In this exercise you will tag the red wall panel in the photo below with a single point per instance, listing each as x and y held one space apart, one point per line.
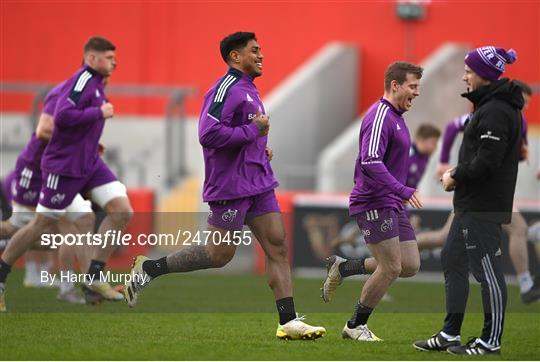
177 42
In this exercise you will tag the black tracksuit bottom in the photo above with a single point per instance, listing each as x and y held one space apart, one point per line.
474 244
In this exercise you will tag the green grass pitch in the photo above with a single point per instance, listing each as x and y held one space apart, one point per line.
204 316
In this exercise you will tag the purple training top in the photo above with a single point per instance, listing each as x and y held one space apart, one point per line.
30 156
236 165
417 166
458 125
382 164
78 125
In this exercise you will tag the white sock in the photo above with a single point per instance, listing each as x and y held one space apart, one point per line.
31 273
450 338
525 282
66 286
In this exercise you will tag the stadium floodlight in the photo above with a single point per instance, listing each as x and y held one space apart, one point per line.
411 10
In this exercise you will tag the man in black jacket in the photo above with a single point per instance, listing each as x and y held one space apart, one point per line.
483 182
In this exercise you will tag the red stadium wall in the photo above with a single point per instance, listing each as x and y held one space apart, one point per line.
177 42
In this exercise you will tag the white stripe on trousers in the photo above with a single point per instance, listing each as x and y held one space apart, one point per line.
495 301
496 341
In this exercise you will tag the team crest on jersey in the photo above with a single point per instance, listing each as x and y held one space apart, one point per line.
58 198
29 195
386 225
229 215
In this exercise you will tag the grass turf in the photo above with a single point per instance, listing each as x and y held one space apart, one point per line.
223 317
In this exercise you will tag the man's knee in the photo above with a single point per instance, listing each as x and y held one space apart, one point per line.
391 270
410 268
120 210
86 222
45 223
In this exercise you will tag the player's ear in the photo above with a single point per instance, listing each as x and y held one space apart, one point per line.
394 85
234 56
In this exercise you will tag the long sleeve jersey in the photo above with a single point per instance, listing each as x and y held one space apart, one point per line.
33 151
382 164
78 125
235 160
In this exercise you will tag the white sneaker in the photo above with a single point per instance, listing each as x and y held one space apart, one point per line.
71 296
105 290
139 279
360 333
298 329
333 277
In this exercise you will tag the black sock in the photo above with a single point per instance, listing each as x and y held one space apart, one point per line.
95 268
4 271
155 268
286 310
352 267
360 315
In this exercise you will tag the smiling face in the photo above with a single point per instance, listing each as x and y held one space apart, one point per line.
248 59
473 80
403 94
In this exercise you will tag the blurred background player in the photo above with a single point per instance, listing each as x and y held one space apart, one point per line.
71 164
239 186
34 260
516 230
25 188
378 197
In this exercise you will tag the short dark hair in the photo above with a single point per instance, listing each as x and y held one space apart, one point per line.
235 41
98 44
525 88
426 131
398 71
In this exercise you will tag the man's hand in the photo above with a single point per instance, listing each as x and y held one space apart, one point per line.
107 110
414 201
261 120
449 184
101 149
441 169
269 153
525 152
